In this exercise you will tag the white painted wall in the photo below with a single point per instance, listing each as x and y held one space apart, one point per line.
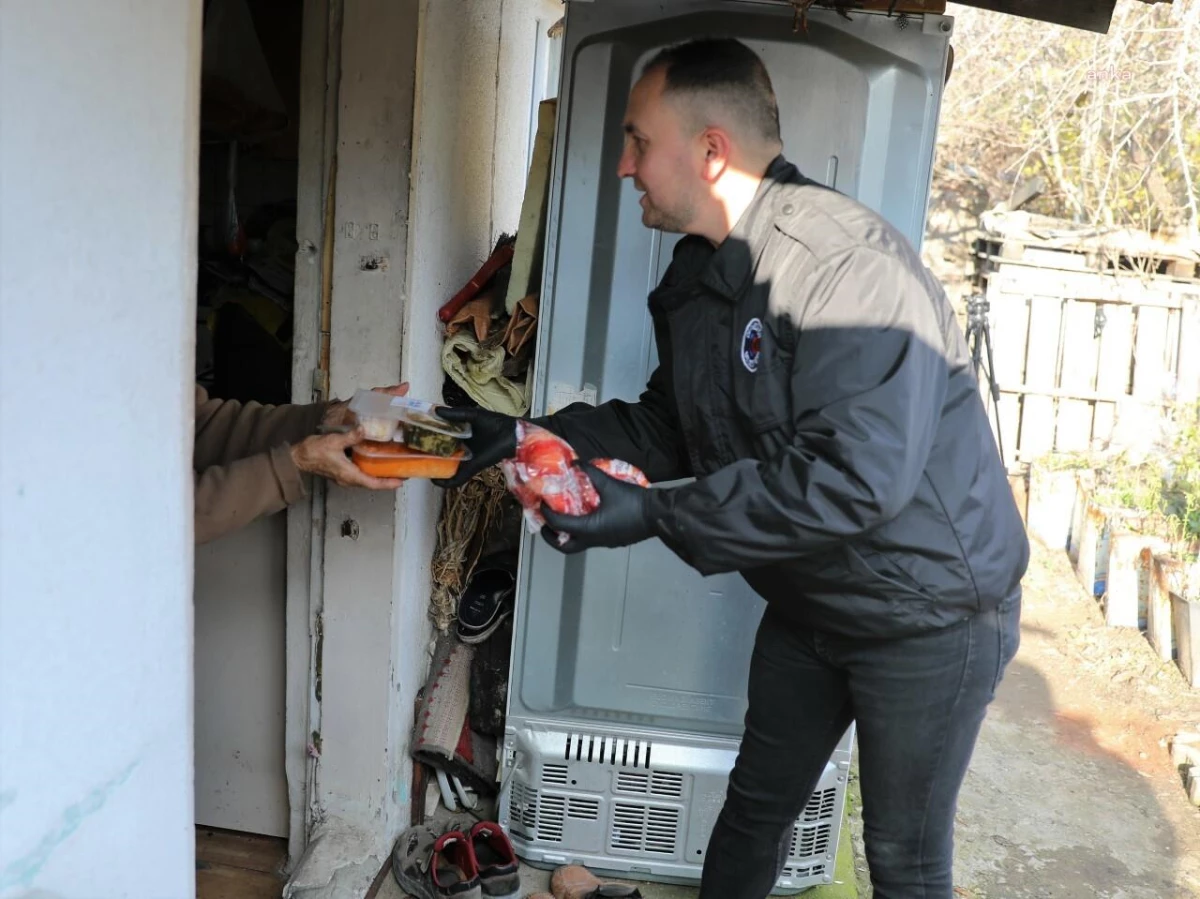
475 96
468 138
527 78
98 162
476 92
359 725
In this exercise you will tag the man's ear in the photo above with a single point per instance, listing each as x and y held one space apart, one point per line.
717 148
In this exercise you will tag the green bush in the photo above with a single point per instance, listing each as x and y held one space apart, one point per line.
1181 483
1159 494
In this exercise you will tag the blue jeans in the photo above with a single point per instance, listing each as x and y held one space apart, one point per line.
918 703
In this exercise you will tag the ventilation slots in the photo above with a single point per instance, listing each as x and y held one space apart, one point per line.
523 809
550 814
583 809
820 806
661 827
639 828
554 775
607 751
809 841
663 783
629 782
660 783
814 871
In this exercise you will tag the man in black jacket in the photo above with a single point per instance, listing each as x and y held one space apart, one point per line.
814 381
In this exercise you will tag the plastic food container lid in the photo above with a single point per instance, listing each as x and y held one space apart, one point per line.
405 411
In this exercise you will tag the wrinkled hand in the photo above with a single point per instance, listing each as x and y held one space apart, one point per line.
493 439
325 455
623 518
338 415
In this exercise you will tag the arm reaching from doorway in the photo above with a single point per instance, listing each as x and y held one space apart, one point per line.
229 497
227 430
249 459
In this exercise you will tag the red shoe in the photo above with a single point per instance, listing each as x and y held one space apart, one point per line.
499 870
441 868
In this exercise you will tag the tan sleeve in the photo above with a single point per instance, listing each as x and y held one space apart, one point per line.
227 430
229 497
242 463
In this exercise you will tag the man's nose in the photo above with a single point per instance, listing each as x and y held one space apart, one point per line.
625 166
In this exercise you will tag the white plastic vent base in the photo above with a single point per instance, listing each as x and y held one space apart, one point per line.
643 805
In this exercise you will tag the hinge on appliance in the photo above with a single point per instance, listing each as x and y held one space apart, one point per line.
802 7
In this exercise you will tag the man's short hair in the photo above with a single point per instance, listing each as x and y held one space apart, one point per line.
727 71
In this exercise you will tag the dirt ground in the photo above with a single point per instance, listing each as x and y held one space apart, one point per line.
1071 793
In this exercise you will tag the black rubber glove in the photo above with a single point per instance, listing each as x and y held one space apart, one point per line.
623 518
493 439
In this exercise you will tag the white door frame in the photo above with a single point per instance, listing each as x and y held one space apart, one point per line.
319 74
347 718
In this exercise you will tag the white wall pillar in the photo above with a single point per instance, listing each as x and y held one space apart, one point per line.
448 102
98 179
361 723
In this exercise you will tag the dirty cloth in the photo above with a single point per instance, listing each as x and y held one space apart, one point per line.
478 369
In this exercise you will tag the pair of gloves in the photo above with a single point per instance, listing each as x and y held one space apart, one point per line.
624 516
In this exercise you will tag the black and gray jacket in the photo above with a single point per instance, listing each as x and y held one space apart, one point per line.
814 380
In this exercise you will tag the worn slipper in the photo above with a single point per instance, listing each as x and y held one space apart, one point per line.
432 867
577 882
487 599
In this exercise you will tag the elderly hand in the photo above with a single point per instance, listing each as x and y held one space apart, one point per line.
325 455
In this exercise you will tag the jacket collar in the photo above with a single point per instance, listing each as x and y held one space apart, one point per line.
733 262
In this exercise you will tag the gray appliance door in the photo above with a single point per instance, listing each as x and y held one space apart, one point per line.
634 636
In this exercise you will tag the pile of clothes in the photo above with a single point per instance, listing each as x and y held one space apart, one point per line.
490 337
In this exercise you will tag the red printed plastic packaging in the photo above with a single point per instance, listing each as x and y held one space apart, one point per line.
544 471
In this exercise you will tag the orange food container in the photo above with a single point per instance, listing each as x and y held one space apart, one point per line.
395 460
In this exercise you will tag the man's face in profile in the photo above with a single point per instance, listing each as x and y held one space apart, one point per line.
662 156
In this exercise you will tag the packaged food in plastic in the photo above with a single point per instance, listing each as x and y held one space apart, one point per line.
389 459
410 421
543 471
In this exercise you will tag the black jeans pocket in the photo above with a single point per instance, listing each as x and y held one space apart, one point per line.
1008 636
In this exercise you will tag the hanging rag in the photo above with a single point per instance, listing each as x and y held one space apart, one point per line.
479 370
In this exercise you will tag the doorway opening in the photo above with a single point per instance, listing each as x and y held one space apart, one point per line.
249 139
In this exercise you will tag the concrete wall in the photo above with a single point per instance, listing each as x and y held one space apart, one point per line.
98 162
